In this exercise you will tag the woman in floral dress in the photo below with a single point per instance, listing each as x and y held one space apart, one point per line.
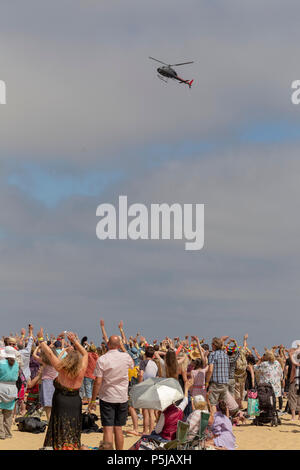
270 372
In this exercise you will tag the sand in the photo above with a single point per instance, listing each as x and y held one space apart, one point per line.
248 437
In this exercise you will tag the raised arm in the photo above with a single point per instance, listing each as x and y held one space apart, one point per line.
245 345
30 339
50 355
124 339
35 355
256 353
223 339
122 345
104 334
74 340
202 352
32 382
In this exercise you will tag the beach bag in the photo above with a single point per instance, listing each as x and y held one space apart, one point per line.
31 424
253 407
252 393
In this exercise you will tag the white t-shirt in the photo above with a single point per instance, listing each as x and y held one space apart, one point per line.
149 367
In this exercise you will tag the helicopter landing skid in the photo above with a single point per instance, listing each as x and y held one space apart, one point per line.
163 79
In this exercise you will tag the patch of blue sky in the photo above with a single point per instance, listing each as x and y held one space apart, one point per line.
267 132
158 154
270 132
53 183
51 187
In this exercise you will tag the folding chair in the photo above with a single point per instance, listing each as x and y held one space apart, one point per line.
199 439
181 437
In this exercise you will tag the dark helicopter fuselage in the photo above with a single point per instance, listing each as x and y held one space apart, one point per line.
167 72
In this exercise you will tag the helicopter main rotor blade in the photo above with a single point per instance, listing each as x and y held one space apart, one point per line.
183 63
158 60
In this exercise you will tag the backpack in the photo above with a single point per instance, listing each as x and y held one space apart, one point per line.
88 423
31 424
241 364
266 397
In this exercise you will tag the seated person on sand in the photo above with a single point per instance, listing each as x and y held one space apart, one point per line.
199 405
221 429
236 415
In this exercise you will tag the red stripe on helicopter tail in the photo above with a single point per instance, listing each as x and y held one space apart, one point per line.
187 82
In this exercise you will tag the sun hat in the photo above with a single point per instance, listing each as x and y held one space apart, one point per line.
199 399
9 352
195 355
199 402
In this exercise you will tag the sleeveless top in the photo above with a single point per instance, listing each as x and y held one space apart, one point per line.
172 416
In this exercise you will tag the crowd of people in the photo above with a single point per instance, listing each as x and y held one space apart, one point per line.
60 374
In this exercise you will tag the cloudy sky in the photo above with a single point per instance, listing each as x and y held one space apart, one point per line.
87 120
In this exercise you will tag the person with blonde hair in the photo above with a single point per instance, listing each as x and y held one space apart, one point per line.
270 371
64 429
199 405
199 371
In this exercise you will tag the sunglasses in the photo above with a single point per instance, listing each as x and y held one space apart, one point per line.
11 344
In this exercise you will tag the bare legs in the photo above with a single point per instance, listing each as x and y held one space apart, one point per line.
47 410
135 424
149 421
110 434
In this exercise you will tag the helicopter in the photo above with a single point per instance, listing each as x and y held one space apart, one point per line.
169 72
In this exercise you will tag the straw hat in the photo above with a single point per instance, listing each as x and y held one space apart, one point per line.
195 354
199 402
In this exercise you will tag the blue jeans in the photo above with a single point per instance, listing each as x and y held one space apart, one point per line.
86 388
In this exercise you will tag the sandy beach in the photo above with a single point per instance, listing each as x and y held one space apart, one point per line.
248 437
